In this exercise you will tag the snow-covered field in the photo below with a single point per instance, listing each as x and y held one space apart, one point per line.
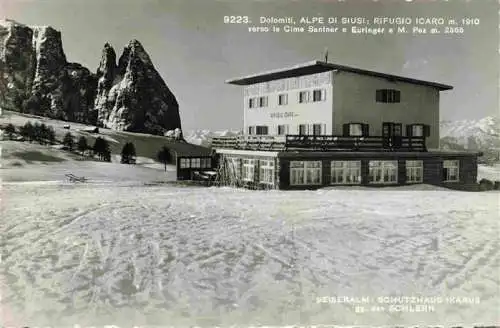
491 173
123 254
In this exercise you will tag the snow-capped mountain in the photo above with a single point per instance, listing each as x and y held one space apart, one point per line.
480 134
204 137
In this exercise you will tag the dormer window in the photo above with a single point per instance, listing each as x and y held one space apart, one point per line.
388 96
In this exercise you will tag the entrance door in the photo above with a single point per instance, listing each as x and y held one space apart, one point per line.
387 135
392 134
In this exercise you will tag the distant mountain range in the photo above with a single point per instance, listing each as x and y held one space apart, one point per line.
482 135
204 137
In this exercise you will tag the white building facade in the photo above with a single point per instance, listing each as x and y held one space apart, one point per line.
320 98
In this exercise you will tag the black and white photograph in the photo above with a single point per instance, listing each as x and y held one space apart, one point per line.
249 163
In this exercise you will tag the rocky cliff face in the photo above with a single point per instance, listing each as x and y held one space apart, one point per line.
17 63
132 96
35 77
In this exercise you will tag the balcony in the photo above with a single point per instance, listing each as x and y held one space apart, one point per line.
321 143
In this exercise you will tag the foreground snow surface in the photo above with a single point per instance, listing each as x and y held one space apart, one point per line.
123 254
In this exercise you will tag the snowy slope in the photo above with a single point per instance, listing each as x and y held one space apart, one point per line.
124 255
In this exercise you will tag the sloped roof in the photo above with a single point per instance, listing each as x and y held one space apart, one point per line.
315 66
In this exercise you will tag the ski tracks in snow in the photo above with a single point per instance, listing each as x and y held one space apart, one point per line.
207 251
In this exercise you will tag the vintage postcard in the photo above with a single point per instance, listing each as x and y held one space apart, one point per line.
243 163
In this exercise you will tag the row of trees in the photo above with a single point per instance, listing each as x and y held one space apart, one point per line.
44 134
100 148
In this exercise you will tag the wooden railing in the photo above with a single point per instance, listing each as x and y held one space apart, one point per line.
321 143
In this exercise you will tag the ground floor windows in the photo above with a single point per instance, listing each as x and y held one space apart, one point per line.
414 171
450 171
195 162
266 173
248 169
383 171
346 172
234 167
305 173
264 170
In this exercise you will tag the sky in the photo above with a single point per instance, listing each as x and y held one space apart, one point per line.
195 52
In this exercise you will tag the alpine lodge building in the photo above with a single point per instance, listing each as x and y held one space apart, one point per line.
321 124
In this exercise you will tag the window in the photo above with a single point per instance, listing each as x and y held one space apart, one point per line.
248 169
450 171
252 102
305 173
196 162
417 130
262 101
234 167
206 163
184 163
282 129
302 129
303 97
266 171
316 129
282 99
250 130
383 171
260 130
355 129
319 95
388 96
414 171
346 172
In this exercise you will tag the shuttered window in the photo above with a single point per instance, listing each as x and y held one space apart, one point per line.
388 96
283 99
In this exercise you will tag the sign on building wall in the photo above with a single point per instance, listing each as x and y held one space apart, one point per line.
283 115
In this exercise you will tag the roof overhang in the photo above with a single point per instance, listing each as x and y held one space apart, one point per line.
314 67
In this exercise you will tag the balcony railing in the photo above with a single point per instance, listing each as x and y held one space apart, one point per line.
321 143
